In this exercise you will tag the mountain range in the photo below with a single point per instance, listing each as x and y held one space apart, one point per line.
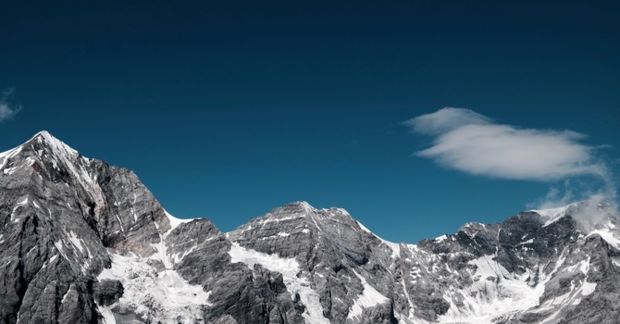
82 241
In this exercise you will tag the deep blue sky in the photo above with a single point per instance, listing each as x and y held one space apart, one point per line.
227 109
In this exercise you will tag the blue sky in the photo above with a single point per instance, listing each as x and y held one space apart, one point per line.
228 110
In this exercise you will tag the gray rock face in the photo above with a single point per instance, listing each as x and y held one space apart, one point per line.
85 242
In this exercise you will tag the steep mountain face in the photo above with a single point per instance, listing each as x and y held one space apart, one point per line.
85 242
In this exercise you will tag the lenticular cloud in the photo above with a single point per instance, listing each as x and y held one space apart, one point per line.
470 142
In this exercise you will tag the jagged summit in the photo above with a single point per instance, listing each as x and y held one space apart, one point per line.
48 141
44 134
298 206
301 203
307 207
42 141
40 149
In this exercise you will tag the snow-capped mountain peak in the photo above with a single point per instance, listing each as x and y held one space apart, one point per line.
83 242
52 143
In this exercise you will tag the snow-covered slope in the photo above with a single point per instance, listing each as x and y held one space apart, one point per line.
159 295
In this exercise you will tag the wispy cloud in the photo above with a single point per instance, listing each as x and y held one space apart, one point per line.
465 140
473 143
7 109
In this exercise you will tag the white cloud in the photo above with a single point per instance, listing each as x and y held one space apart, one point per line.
470 142
554 198
7 110
444 120
598 210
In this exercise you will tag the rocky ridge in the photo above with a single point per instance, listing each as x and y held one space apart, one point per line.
85 242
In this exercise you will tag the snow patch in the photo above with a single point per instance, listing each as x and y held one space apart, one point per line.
495 292
60 247
107 315
573 297
441 238
587 288
5 156
530 241
171 297
9 171
364 228
77 242
277 220
289 268
175 222
64 297
395 247
608 236
280 234
369 298
133 211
